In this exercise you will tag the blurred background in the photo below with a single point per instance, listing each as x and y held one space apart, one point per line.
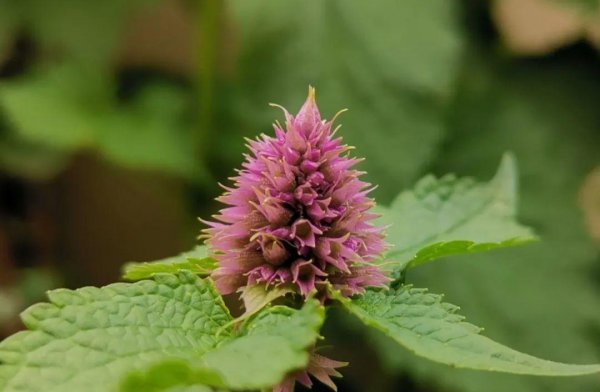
119 117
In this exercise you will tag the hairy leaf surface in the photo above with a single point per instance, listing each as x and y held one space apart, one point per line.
86 339
196 261
430 328
268 346
450 216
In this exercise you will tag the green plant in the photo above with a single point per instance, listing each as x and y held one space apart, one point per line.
171 330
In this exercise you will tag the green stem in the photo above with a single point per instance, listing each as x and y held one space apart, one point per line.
209 25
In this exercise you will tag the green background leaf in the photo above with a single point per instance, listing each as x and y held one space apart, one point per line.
69 109
449 216
377 64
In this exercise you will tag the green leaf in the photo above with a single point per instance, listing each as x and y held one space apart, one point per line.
93 338
529 297
272 344
450 216
269 346
196 261
258 296
425 325
89 338
170 375
392 69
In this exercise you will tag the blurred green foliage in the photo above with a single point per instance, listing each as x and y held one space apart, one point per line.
66 100
428 88
393 70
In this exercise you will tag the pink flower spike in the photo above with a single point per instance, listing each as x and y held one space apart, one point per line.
297 214
319 367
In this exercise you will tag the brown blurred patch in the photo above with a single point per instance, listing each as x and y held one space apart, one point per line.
589 200
537 27
161 36
166 36
7 273
112 215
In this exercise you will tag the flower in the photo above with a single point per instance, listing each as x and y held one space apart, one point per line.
297 214
319 367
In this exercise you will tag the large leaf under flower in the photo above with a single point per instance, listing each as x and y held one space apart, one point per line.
88 339
430 328
268 346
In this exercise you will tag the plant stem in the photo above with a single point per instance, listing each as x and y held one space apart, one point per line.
209 24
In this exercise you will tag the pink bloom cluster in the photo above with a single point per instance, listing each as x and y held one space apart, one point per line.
319 367
297 214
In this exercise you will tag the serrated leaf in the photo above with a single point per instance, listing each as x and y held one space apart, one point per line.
68 109
269 346
450 216
272 344
541 298
430 328
88 338
196 261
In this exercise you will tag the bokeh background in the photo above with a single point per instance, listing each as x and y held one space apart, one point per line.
119 117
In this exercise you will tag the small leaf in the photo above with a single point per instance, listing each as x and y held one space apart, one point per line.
450 216
195 261
87 339
258 296
430 328
269 346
